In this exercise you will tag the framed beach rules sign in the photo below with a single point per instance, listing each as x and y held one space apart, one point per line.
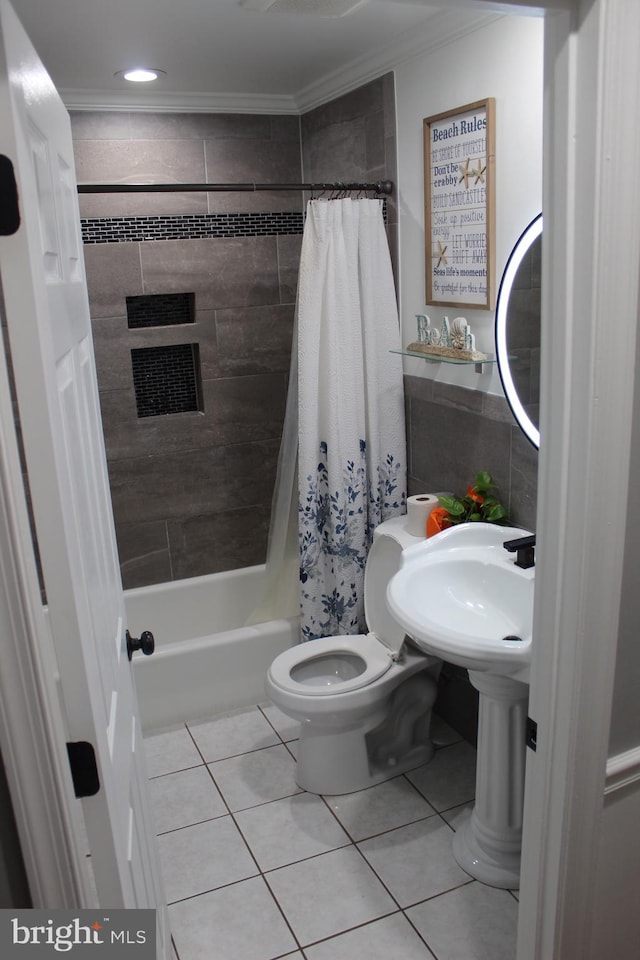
459 174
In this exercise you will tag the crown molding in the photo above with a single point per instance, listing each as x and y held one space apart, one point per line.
442 28
158 102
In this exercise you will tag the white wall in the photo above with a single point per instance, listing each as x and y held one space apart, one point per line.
503 60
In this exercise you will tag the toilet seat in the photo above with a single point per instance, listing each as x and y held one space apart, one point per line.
376 658
377 649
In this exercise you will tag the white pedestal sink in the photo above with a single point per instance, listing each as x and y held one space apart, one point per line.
460 596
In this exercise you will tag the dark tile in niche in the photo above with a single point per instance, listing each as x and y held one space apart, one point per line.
166 379
160 309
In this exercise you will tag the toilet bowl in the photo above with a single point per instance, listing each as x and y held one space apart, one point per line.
364 701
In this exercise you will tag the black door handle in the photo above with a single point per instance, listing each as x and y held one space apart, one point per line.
145 642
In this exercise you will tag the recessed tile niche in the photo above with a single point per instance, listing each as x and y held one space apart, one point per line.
160 310
166 379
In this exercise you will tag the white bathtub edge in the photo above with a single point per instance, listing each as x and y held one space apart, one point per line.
199 678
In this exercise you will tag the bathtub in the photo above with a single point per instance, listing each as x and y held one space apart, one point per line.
206 661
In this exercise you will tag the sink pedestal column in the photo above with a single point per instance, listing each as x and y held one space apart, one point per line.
488 845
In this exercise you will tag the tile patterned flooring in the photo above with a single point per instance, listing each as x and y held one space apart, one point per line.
257 869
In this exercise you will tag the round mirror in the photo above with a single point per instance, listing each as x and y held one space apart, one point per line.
518 329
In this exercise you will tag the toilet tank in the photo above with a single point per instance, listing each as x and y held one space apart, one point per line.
390 538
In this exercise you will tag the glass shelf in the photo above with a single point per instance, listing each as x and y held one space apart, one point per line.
478 364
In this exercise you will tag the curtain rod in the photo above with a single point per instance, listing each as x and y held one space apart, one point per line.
381 187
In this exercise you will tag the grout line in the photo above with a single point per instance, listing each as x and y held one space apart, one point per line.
282 913
357 926
351 842
169 773
442 893
378 877
415 929
222 886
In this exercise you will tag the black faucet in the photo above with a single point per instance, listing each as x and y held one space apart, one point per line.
523 547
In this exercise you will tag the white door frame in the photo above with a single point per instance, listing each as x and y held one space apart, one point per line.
592 212
591 203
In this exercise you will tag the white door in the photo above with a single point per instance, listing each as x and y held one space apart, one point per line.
47 313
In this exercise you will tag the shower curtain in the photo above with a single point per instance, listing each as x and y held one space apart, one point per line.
351 439
344 424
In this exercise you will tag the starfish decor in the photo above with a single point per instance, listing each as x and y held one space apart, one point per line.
479 172
440 253
465 173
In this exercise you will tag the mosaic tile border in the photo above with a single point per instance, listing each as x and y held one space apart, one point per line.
189 227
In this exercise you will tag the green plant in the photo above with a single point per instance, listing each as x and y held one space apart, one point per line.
478 504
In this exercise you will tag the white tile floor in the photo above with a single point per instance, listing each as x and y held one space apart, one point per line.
257 869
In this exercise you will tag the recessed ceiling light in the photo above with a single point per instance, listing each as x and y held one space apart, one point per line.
140 74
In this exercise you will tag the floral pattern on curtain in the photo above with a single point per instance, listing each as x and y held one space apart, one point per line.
337 526
352 461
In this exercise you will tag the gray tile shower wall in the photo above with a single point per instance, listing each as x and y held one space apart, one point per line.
353 138
192 491
453 432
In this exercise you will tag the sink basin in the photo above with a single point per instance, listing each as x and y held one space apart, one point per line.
460 596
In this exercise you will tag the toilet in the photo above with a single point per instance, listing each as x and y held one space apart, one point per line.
363 701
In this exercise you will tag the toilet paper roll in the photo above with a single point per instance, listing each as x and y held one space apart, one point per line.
418 509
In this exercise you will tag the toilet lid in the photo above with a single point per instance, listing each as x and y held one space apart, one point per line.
315 653
382 563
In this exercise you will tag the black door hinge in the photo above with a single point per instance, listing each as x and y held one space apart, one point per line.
532 734
84 769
